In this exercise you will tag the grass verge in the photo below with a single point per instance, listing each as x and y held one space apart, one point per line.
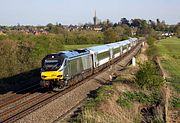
127 98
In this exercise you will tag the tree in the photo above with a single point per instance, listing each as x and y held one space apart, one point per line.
136 23
160 26
120 30
125 21
152 24
110 36
178 31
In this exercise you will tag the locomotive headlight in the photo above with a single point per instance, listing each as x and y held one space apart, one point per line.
43 76
59 76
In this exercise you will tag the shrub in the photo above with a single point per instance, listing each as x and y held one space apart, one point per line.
147 77
175 102
151 40
126 99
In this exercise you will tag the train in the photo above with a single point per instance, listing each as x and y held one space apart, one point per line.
65 68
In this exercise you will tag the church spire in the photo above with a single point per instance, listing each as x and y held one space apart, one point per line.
95 18
95 14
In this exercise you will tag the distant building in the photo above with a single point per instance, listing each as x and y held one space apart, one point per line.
167 34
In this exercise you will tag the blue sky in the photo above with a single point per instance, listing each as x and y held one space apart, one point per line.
41 12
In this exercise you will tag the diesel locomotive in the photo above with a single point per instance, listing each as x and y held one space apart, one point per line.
66 68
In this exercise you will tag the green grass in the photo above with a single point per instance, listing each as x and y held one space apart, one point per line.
175 102
73 47
126 99
100 95
169 50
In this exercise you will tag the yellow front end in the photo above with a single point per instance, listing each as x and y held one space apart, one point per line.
52 75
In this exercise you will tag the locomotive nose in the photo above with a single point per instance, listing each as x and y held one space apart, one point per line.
51 75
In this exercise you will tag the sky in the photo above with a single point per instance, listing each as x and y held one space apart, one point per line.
42 12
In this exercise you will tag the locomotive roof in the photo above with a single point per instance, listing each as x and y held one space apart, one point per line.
75 53
133 39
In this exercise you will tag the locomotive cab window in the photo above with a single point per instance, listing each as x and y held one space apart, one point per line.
52 64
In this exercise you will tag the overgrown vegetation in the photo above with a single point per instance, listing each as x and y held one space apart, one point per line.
97 97
23 53
127 98
175 102
152 50
147 77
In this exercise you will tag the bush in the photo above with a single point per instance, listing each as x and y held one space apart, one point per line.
150 40
175 102
147 77
126 99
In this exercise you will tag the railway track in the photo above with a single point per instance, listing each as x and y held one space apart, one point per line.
21 91
10 112
22 109
18 95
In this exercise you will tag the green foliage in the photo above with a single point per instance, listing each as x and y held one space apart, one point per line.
137 120
126 99
147 77
124 103
178 31
73 47
152 50
21 52
175 102
110 36
150 40
2 37
84 37
100 95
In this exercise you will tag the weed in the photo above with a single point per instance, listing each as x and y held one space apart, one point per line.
99 95
147 77
124 103
126 99
175 102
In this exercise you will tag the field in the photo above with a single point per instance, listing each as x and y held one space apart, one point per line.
169 52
